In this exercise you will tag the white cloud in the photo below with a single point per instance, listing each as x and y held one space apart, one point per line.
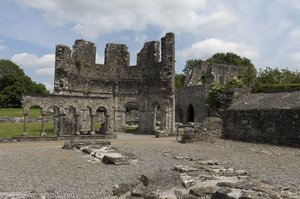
206 48
93 18
45 71
140 38
295 35
32 61
48 86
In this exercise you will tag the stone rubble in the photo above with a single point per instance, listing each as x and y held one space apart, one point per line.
211 180
207 130
101 150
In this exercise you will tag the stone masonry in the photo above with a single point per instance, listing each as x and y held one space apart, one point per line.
265 117
83 89
191 100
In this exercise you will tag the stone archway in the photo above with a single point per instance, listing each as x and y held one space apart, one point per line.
101 120
190 114
131 116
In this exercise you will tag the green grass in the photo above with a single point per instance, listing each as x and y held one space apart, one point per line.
18 112
8 130
131 128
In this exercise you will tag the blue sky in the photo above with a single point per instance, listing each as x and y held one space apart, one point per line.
265 31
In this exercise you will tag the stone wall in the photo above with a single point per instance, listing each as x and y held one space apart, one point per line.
265 117
191 97
191 100
205 74
82 84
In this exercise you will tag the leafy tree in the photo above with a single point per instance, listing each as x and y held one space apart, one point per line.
14 82
278 76
190 65
276 79
213 96
8 67
179 80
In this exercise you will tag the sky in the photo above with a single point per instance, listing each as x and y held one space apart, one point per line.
265 31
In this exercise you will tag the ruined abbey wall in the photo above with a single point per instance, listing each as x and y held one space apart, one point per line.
205 74
114 84
191 105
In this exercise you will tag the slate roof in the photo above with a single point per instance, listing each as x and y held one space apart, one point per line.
277 100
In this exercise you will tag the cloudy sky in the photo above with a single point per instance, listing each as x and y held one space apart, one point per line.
265 31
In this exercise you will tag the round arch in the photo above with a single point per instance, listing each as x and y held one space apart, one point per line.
131 116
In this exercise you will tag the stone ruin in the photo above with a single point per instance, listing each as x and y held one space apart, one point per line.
191 103
265 117
86 92
255 117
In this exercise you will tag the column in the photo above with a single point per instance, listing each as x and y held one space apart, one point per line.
61 126
25 133
162 120
77 130
43 133
92 125
108 127
124 120
153 123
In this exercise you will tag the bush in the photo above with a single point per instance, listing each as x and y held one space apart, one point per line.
213 95
257 88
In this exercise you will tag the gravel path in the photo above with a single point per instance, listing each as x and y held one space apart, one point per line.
45 167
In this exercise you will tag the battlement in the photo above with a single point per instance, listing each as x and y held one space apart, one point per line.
76 70
84 51
116 54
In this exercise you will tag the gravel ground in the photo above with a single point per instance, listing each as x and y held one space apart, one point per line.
45 167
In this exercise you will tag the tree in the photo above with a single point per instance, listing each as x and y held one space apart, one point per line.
14 82
276 79
278 76
179 80
190 65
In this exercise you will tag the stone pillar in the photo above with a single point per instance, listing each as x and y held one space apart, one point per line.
61 126
25 133
43 133
152 120
124 120
92 125
107 123
168 120
162 120
153 123
77 119
109 129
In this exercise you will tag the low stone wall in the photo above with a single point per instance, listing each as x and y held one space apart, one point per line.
207 130
54 138
9 119
276 126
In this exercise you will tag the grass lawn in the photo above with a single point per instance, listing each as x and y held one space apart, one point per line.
8 130
18 112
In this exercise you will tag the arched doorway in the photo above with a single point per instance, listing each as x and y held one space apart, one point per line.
190 113
101 123
131 116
